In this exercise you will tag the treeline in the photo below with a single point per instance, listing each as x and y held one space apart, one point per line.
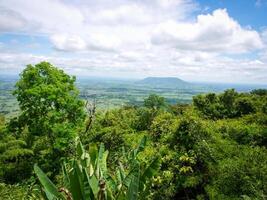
214 148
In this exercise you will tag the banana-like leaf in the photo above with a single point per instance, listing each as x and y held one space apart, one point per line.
94 184
88 192
85 160
101 151
93 151
141 145
133 173
103 164
49 187
66 178
91 170
120 175
82 180
76 186
80 149
99 161
132 193
150 171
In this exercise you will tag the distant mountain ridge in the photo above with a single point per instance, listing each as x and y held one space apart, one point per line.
163 82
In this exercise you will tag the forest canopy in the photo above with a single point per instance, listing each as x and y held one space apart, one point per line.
213 148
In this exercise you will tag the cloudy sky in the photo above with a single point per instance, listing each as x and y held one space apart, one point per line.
196 40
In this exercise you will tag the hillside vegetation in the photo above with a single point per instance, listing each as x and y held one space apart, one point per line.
60 146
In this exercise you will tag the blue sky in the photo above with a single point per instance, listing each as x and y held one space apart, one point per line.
247 12
196 40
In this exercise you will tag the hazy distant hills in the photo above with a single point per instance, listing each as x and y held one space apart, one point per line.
163 82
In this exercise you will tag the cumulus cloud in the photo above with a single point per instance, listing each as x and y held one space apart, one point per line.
211 32
102 25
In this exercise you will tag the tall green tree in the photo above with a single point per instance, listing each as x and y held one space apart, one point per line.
50 109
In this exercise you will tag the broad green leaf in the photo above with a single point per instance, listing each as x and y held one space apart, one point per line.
50 189
76 187
132 193
93 154
94 184
99 160
80 149
85 160
101 151
141 145
149 172
87 187
66 178
151 169
134 172
103 163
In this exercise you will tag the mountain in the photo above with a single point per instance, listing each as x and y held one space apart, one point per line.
163 82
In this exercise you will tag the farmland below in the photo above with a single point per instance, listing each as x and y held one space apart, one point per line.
112 93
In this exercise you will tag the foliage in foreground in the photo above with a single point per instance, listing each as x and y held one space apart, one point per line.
27 191
87 176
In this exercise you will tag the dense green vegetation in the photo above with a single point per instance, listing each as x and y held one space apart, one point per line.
213 148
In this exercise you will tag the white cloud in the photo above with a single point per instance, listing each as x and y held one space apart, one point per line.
124 14
102 25
211 32
48 16
69 43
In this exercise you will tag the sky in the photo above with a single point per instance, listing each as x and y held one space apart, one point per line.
195 40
